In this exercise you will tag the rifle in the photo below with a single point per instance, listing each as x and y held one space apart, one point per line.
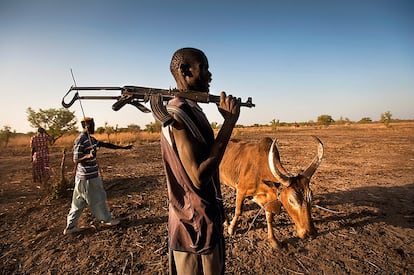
136 95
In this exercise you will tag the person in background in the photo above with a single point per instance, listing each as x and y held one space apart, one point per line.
88 183
39 145
191 158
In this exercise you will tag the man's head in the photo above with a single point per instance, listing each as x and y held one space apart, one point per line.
88 125
189 66
41 130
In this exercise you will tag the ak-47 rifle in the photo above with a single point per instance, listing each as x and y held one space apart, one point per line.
136 95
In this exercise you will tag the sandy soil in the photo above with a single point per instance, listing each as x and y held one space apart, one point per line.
363 210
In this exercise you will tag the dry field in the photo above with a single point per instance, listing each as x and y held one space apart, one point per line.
363 210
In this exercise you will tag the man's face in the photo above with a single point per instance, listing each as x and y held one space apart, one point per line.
91 127
199 76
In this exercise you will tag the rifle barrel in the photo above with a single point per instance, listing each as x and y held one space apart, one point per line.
99 97
75 88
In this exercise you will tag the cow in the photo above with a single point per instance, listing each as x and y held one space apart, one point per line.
254 170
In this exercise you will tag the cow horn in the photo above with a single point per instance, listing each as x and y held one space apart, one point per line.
308 173
275 166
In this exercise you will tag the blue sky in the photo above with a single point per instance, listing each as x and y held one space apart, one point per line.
297 59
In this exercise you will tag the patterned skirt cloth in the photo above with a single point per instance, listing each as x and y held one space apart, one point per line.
40 168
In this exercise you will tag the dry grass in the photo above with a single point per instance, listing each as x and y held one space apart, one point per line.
21 143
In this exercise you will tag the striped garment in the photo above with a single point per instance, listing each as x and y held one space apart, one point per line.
86 169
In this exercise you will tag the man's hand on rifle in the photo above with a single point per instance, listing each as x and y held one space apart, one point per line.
229 107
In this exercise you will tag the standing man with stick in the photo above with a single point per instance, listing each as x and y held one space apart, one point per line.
88 184
191 158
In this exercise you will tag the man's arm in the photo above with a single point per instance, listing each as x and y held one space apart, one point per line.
199 166
32 149
85 157
113 146
79 154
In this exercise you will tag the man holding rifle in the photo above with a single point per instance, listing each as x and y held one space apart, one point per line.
88 184
191 157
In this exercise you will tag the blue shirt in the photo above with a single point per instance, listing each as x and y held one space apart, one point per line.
88 168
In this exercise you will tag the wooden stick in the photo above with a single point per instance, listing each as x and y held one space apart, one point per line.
328 210
295 272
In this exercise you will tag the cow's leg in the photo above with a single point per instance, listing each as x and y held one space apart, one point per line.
237 211
269 218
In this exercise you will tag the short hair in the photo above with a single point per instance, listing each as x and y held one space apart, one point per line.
41 130
86 121
180 57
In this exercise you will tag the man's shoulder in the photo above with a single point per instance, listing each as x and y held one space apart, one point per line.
81 137
179 104
36 138
177 101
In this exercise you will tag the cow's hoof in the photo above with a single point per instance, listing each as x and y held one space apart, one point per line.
275 244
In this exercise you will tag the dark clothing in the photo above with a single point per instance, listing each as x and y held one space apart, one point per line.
195 222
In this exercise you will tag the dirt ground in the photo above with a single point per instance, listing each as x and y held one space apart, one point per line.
363 210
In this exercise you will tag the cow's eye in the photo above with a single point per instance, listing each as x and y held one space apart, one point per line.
292 201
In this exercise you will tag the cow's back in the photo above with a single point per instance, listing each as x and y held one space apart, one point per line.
245 162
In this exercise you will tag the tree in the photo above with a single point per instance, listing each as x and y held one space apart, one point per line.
343 120
365 120
325 120
56 122
109 130
5 134
274 124
100 130
153 127
386 118
133 128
